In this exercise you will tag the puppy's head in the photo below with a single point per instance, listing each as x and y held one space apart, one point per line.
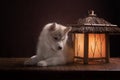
58 36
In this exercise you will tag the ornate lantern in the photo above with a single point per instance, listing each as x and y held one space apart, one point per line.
91 38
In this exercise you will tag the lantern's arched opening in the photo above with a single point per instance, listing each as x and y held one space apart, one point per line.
96 46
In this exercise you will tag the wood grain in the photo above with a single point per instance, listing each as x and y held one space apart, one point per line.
17 64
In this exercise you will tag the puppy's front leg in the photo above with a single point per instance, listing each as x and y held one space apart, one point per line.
51 62
32 61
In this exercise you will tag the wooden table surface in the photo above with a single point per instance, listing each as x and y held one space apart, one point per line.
17 64
13 69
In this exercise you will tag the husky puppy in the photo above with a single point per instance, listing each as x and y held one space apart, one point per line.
52 48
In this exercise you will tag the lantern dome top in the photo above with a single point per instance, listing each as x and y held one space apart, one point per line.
94 24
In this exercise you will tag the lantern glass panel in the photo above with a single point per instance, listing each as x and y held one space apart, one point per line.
96 45
79 45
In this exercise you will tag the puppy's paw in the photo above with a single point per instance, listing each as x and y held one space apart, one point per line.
29 62
42 63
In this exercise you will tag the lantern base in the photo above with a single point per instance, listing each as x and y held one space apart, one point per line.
90 60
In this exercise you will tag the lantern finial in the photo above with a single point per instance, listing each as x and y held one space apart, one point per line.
91 13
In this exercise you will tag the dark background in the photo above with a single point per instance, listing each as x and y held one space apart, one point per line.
22 21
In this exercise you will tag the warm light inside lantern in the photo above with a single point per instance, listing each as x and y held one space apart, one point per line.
79 45
96 45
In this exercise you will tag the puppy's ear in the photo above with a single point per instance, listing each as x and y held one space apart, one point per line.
52 27
68 29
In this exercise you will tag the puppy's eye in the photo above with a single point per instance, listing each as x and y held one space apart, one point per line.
56 38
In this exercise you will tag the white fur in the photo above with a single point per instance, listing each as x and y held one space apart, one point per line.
47 49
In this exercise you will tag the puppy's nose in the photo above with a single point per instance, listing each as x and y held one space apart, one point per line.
59 47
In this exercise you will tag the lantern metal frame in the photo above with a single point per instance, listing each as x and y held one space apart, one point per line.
86 42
